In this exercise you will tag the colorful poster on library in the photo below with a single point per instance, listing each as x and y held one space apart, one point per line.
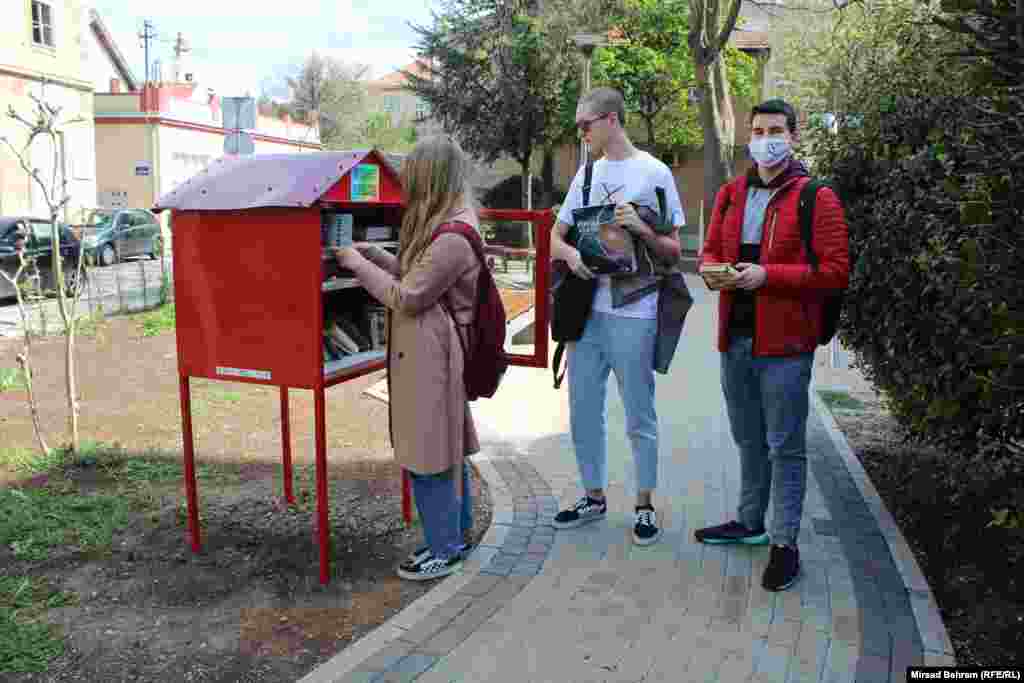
365 183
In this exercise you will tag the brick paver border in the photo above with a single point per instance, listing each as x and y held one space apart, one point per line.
887 579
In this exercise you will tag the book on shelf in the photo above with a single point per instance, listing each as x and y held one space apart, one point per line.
331 351
338 228
353 332
379 233
342 340
378 320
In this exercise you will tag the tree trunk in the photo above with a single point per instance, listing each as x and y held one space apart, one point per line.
26 370
25 362
719 126
69 322
548 177
524 165
649 120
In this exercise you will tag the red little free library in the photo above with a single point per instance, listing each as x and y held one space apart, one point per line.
259 297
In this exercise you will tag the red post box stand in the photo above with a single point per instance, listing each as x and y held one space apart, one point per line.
253 285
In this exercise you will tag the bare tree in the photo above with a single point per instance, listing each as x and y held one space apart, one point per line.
25 357
45 125
332 91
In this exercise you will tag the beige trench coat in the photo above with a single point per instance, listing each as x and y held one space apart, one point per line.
432 428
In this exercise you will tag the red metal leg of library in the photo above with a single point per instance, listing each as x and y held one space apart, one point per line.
406 497
190 465
286 441
321 485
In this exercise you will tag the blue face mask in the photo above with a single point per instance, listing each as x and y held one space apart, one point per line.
769 151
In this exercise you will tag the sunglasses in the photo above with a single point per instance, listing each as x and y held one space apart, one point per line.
585 124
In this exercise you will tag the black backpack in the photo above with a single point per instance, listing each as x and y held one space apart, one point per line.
571 298
833 304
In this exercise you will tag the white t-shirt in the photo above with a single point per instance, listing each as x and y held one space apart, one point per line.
620 182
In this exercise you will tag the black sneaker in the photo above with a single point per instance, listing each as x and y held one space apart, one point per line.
783 568
585 510
732 532
430 568
645 530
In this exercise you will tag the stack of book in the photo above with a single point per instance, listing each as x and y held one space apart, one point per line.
342 337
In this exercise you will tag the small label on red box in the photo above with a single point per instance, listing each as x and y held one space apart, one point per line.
240 372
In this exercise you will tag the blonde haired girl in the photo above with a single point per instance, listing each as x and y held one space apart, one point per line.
432 428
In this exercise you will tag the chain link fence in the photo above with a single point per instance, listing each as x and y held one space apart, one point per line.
127 287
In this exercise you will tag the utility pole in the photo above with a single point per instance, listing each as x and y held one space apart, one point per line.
147 35
587 42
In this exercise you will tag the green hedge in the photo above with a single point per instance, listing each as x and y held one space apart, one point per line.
931 171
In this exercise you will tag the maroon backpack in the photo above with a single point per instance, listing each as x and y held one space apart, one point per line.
485 359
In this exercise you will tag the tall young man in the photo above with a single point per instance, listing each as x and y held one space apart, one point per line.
621 331
769 322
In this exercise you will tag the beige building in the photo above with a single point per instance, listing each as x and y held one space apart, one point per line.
389 95
150 141
44 52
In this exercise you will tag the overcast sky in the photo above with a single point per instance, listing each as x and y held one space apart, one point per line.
236 46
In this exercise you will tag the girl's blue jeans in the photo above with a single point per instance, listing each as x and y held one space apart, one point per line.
444 519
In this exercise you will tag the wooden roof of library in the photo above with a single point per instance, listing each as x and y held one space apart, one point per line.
267 180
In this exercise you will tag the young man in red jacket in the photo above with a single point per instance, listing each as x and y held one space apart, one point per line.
769 322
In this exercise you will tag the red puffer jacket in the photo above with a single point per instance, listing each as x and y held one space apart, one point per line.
788 305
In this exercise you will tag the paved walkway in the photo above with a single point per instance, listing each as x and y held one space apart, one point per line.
587 605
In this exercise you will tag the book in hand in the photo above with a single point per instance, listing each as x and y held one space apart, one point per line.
606 247
717 275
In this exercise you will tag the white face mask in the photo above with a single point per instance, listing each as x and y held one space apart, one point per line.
769 151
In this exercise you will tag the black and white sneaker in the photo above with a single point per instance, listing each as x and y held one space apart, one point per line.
645 528
430 568
585 510
421 554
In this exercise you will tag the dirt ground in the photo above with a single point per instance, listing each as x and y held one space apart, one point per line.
250 606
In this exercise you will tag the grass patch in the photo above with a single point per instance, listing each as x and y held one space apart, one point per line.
145 470
157 321
29 462
840 400
27 646
37 520
12 379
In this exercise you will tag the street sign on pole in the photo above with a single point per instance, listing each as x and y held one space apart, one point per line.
239 115
239 112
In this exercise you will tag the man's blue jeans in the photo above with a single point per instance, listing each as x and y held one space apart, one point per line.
444 519
625 346
767 399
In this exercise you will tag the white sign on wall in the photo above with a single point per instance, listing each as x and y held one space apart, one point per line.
113 199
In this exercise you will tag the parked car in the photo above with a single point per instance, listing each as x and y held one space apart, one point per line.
111 235
34 237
